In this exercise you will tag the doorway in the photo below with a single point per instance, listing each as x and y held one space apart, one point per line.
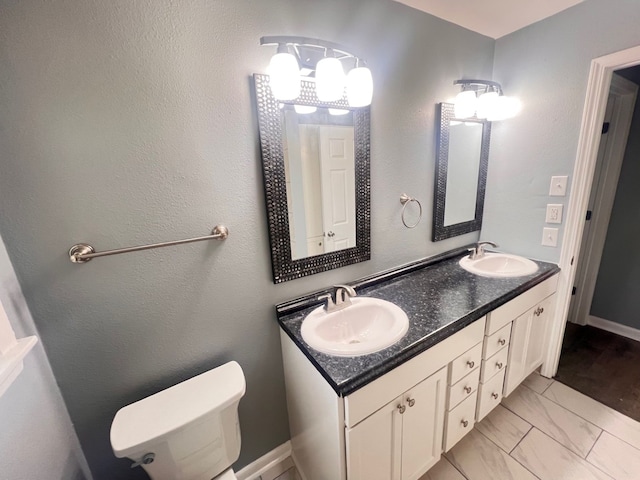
585 182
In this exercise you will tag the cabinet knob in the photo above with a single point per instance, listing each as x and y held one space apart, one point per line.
541 310
471 363
494 396
401 409
465 423
502 341
468 389
499 365
411 401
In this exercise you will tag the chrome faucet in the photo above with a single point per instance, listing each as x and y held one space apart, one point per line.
477 252
343 295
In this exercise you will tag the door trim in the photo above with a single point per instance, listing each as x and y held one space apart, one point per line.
588 264
597 94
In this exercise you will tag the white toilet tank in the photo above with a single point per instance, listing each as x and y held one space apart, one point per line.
190 430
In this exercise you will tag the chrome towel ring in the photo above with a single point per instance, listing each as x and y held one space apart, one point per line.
406 200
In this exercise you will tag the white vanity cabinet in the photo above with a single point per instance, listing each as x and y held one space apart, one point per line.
526 318
403 439
528 343
397 426
390 429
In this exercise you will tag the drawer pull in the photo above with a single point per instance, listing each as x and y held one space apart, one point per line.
401 409
538 311
465 423
471 363
494 396
468 389
502 341
411 401
499 365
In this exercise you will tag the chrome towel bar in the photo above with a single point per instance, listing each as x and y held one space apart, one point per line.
82 253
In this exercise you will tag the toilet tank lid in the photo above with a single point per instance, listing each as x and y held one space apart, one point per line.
151 418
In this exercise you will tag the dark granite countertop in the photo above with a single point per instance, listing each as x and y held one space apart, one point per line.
439 299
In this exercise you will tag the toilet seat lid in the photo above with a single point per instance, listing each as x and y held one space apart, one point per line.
151 418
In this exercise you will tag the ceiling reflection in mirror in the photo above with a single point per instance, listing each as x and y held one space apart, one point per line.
461 174
315 159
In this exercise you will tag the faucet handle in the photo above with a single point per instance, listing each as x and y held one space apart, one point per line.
330 305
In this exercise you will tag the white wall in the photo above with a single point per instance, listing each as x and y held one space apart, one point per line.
37 440
546 65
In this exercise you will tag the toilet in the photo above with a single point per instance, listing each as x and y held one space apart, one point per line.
187 432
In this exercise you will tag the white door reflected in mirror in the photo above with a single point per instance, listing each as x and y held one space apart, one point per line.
319 159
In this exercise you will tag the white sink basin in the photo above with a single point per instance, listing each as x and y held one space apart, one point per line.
366 326
499 265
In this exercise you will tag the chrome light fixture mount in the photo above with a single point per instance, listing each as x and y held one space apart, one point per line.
484 99
321 61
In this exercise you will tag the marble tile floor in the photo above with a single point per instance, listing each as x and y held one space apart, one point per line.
542 431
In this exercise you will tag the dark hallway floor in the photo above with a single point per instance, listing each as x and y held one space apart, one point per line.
602 365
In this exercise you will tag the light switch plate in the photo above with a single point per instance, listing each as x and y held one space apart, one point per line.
558 186
550 237
554 213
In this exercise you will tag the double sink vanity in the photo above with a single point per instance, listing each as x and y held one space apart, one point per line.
385 374
418 357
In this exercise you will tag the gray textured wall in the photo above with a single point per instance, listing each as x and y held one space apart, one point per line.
132 122
616 295
37 439
546 65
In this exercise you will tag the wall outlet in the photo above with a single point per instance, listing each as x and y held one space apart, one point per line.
554 213
550 237
558 186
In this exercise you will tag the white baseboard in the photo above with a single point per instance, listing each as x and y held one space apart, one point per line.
265 462
613 327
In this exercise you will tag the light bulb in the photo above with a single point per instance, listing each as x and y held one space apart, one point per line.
330 79
304 109
359 87
486 104
338 111
284 76
465 104
505 107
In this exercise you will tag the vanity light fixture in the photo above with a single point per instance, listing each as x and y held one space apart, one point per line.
304 109
311 58
484 99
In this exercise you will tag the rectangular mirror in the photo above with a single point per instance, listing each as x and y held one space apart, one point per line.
315 159
461 174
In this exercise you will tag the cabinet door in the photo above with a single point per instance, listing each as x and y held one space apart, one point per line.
538 335
423 425
517 363
373 445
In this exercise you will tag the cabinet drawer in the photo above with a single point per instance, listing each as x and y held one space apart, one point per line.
489 395
460 421
494 364
495 342
464 388
465 363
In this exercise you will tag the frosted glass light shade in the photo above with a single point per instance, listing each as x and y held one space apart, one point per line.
505 107
359 87
338 111
465 104
330 80
284 76
486 104
304 109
